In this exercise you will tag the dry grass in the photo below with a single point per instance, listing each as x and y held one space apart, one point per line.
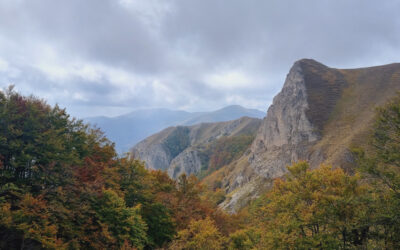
351 118
324 86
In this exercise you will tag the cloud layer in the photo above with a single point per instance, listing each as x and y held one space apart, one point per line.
108 57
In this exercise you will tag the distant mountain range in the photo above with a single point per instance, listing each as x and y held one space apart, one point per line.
128 129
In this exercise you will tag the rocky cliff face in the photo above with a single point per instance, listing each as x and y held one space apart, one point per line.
318 114
183 149
286 132
154 154
188 162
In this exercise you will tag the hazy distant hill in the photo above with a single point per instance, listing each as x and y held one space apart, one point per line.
127 130
225 114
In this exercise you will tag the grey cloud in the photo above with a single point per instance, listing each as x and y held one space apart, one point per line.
163 58
283 31
101 31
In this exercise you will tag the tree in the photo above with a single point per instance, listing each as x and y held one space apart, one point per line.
30 226
244 239
39 144
124 224
380 163
322 208
144 188
62 186
188 205
53 182
200 235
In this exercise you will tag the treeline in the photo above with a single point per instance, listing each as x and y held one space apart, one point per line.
222 152
62 186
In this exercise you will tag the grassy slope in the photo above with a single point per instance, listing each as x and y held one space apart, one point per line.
205 132
350 121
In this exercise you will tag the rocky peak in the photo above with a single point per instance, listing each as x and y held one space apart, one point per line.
286 134
286 121
319 113
299 111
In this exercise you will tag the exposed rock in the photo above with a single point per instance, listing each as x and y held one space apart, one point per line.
286 133
187 162
153 154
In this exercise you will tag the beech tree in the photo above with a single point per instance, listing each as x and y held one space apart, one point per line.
381 165
200 235
323 208
62 184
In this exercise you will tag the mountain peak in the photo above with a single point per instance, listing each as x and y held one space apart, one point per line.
318 115
308 61
234 106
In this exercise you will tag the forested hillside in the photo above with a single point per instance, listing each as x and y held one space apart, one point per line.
62 186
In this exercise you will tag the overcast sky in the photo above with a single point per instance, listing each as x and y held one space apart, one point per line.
107 57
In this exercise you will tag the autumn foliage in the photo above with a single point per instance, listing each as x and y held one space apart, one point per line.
62 186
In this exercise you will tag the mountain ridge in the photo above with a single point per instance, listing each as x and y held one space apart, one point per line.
186 149
128 129
318 115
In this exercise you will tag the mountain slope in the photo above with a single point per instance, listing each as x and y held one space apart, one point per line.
190 149
317 116
126 130
228 113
